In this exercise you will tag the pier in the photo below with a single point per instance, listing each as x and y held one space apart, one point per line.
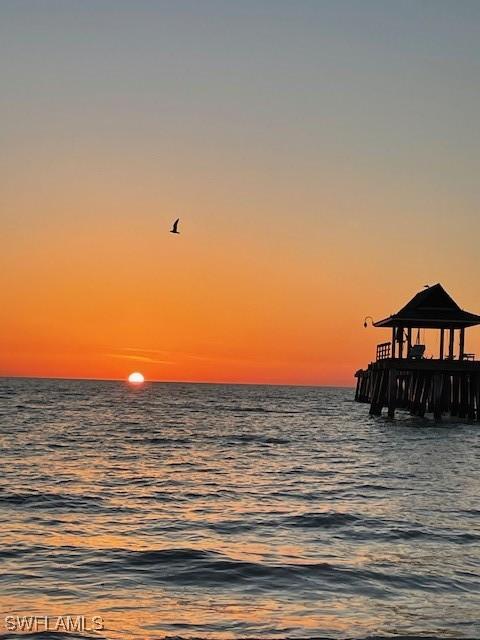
403 377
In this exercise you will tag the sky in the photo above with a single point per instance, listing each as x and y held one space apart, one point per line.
323 156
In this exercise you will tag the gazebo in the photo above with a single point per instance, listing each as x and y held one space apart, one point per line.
402 377
431 308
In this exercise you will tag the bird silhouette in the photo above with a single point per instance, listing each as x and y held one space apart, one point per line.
175 226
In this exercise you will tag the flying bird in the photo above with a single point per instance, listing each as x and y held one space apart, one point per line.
175 225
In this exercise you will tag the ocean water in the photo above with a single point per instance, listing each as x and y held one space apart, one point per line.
223 511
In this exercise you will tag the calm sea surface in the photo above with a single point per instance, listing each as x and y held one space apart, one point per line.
235 511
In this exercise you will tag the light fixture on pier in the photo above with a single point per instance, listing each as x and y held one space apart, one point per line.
365 323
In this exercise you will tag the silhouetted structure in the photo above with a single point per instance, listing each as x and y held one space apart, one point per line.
402 377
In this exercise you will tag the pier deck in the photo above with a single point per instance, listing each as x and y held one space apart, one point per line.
421 386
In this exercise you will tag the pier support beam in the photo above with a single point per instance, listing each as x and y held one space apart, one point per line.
435 387
425 391
417 393
463 408
471 397
477 396
392 392
379 392
437 396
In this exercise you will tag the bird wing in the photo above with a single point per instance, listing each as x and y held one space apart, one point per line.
175 224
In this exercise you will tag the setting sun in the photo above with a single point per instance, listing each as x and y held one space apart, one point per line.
136 378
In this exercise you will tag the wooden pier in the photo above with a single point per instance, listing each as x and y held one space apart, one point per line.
402 377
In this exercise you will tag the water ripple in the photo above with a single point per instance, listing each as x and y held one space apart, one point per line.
210 511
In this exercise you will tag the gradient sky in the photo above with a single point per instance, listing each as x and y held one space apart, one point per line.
323 158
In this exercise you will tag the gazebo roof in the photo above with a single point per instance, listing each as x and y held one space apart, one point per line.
431 308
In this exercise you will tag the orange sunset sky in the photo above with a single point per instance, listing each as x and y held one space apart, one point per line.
323 158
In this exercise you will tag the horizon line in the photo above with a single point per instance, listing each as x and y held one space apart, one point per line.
148 381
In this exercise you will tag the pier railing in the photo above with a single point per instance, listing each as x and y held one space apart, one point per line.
384 350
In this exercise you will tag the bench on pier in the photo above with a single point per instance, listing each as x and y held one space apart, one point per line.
416 351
